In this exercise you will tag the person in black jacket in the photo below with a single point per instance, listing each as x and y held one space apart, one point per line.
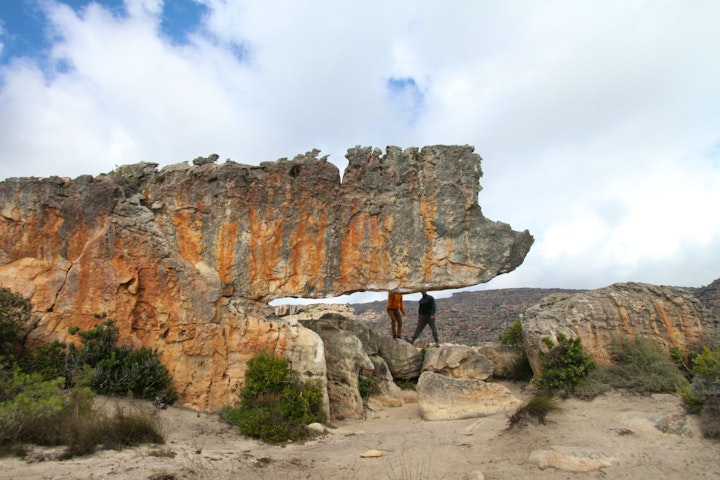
426 316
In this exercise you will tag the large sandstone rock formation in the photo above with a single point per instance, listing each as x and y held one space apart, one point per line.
669 316
184 258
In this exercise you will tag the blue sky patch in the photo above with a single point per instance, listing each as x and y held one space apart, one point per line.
406 97
180 18
24 30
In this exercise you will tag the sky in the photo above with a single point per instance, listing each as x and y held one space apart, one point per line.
598 122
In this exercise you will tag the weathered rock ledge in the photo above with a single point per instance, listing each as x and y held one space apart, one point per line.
184 258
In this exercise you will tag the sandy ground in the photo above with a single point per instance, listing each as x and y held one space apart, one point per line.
616 428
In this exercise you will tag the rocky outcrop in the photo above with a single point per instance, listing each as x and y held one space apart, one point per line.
348 347
384 389
403 359
669 316
345 362
445 398
184 258
506 358
709 296
457 361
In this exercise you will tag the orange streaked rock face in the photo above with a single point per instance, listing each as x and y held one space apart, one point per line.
185 258
671 317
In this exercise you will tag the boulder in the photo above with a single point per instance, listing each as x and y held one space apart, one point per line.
504 357
444 398
384 388
346 360
457 361
402 358
669 316
344 320
306 354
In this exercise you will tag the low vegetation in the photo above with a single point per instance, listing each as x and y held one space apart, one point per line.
48 397
275 406
117 369
365 387
701 391
564 366
513 336
520 370
637 365
538 407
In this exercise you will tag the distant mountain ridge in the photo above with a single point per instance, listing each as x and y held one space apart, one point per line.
471 318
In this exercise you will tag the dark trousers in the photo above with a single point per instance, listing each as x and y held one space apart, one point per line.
425 319
396 322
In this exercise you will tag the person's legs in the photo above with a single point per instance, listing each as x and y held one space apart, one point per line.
395 321
431 321
422 321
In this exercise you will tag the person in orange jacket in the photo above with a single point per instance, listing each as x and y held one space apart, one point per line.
395 310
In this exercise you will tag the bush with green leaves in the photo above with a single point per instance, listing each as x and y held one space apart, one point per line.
42 412
704 379
275 406
702 392
642 366
564 366
14 314
637 365
521 369
365 387
118 370
513 336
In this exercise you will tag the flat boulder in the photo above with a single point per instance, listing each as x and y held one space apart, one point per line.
445 398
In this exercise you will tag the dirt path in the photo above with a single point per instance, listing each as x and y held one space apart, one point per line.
614 427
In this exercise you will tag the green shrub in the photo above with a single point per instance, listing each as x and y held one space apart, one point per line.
638 365
31 409
14 314
365 387
42 412
117 370
642 366
592 385
50 361
702 392
539 407
275 406
564 366
710 416
705 381
513 336
405 384
520 369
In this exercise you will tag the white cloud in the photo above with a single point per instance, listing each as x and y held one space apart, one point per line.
597 121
